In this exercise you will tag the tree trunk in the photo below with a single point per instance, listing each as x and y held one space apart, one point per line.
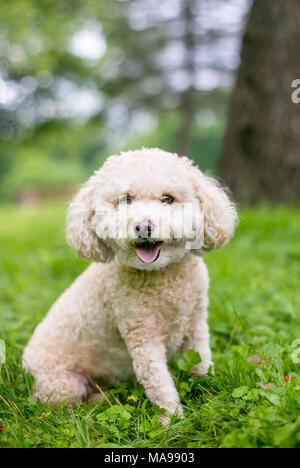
188 98
261 154
187 115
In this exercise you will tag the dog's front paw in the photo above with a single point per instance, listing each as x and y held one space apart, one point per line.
165 417
204 367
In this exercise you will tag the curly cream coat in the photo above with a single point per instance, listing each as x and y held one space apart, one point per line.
122 318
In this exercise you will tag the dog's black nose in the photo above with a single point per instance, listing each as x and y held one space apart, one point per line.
144 228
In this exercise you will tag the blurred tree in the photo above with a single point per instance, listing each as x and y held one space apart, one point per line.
80 79
166 55
261 155
159 56
37 63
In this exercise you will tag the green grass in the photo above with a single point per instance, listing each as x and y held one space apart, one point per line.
254 310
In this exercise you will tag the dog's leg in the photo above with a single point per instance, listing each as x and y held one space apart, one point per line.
150 366
63 386
198 339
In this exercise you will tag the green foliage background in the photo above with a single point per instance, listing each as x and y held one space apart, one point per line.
66 155
59 151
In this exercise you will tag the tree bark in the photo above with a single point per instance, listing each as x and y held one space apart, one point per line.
261 154
187 116
188 99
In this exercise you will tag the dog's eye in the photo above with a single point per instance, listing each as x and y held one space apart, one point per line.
127 199
167 199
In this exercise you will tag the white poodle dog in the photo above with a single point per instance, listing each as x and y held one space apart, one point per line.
146 218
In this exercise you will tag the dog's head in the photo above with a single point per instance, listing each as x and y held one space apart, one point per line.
149 208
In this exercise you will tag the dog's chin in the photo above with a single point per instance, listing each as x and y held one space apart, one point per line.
150 256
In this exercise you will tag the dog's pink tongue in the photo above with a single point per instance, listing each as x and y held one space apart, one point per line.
148 253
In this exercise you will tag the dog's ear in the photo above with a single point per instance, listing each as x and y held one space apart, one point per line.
79 232
220 215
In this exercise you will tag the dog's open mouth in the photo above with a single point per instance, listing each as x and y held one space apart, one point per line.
148 252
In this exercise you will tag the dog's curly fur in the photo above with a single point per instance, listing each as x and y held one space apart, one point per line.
123 317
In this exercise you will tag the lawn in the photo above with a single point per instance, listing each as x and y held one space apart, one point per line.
253 400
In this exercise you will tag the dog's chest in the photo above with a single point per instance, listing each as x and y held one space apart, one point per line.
158 310
174 320
158 306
